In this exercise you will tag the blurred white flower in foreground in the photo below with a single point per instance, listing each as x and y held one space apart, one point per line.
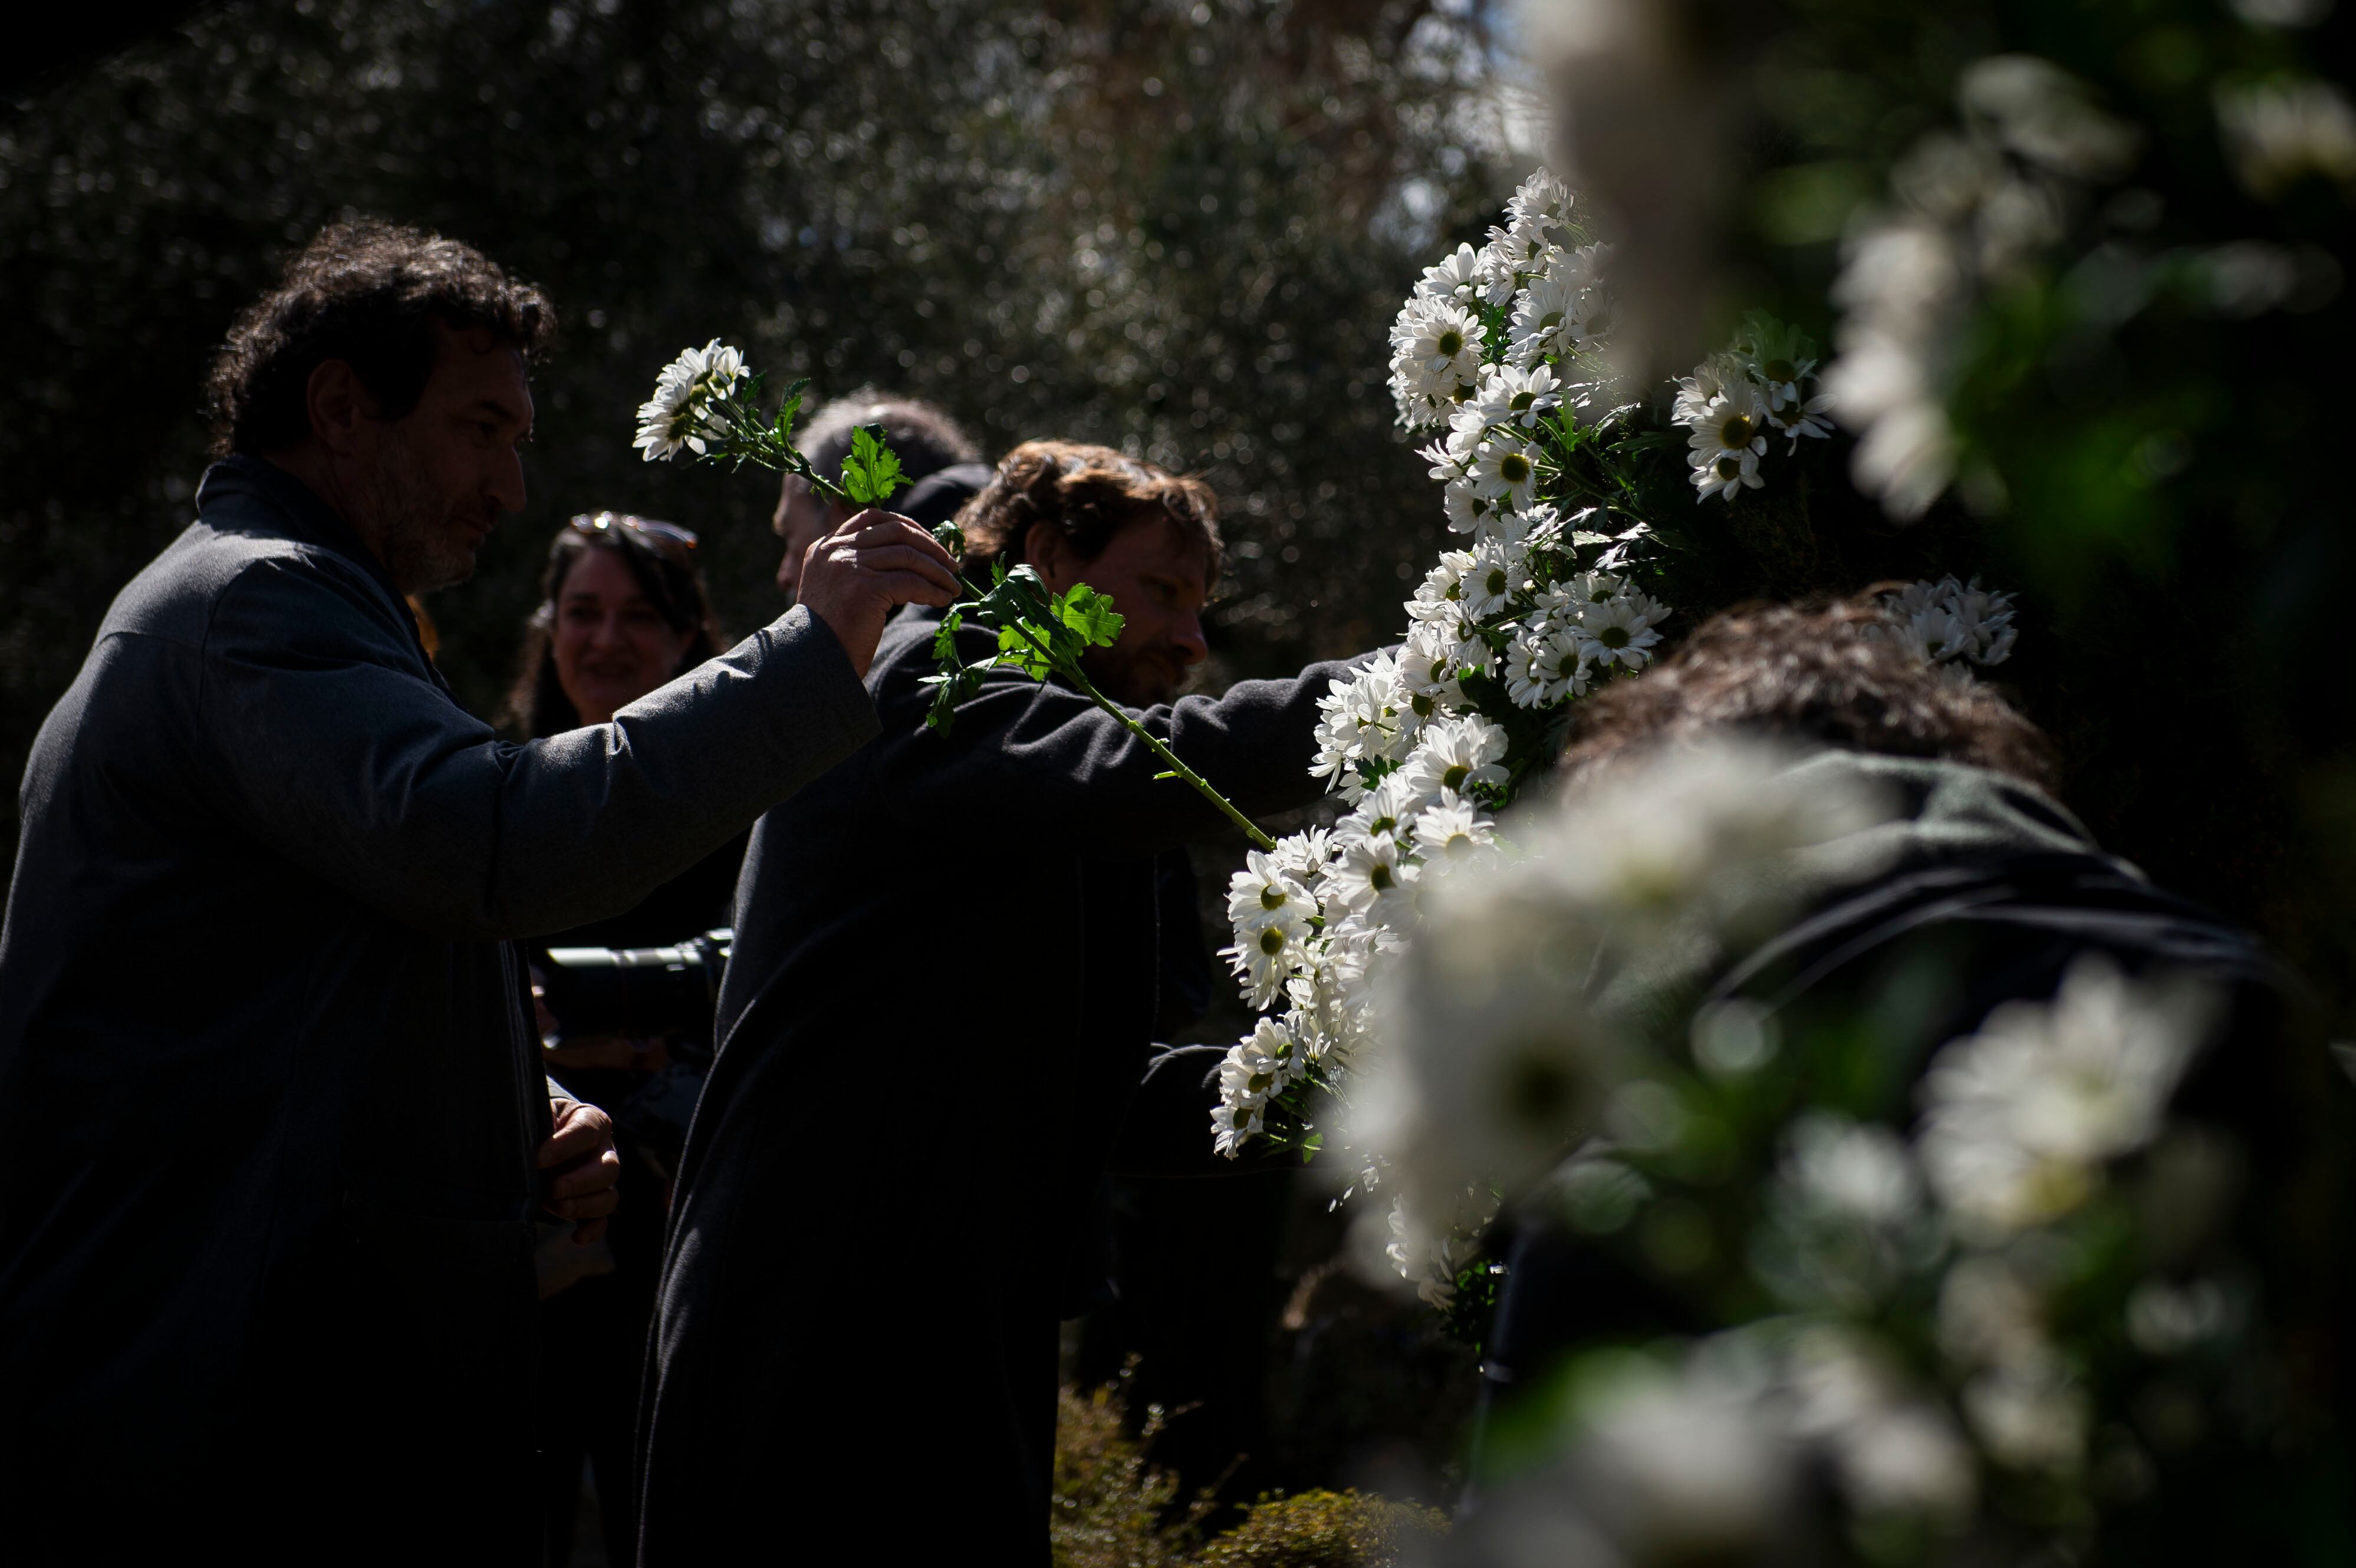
1971 209
1495 1055
2278 132
2019 1119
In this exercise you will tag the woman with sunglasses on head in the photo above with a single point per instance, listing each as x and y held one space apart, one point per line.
623 610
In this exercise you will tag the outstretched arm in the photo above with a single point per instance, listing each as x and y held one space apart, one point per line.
1253 744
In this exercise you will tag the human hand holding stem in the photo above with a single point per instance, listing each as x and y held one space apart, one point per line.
706 401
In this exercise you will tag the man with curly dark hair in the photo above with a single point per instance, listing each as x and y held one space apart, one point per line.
275 1134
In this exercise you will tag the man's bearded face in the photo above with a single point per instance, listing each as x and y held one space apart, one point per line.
1158 576
427 541
437 479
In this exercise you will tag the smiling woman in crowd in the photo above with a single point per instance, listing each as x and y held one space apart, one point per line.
623 610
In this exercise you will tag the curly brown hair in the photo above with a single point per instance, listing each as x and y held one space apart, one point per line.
1825 675
1089 492
367 293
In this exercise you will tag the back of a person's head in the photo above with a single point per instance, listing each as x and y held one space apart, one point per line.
367 293
1087 494
924 438
1811 677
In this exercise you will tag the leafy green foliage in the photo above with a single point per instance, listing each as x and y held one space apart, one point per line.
1114 1509
1324 1529
870 473
1039 634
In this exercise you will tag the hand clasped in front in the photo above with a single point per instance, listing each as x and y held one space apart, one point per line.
582 1166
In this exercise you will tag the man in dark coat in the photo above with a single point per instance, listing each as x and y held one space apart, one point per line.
1984 890
941 1001
273 1130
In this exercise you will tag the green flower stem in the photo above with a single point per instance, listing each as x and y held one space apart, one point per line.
1202 785
751 439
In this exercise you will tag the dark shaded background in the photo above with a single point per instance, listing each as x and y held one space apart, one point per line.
1182 231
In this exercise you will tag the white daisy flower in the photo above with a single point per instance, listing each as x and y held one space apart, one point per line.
1457 754
1564 310
2019 1119
1301 855
1497 573
1386 810
1509 253
1548 319
1505 471
1510 394
1728 474
1452 828
1372 876
681 413
1354 720
1542 199
1734 421
1541 671
1233 1125
1428 688
1707 383
1617 632
1452 278
1936 635
1442 341
1466 507
1811 418
1440 597
1776 370
1266 893
1265 958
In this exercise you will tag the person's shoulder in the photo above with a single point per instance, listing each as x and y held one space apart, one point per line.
219 567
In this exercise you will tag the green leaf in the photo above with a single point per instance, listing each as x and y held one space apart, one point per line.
1015 647
870 473
790 410
945 636
950 538
1090 616
950 688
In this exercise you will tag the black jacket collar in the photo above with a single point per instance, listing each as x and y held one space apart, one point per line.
298 512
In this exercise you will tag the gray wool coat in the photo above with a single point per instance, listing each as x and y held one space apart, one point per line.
268 1084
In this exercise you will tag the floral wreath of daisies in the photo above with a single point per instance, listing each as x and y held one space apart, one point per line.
1491 354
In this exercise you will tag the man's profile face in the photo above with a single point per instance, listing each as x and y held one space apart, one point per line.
1157 576
801 520
437 479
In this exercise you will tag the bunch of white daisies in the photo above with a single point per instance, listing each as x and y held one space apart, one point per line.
1759 386
1953 625
1493 355
1528 613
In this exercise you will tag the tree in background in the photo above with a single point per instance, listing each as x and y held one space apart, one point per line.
1175 229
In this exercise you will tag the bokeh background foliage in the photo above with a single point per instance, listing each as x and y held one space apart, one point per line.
1180 229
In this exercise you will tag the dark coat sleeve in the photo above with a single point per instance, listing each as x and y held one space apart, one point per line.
336 751
1081 772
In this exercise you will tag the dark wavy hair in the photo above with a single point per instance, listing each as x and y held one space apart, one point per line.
537 706
367 293
1823 675
1088 494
